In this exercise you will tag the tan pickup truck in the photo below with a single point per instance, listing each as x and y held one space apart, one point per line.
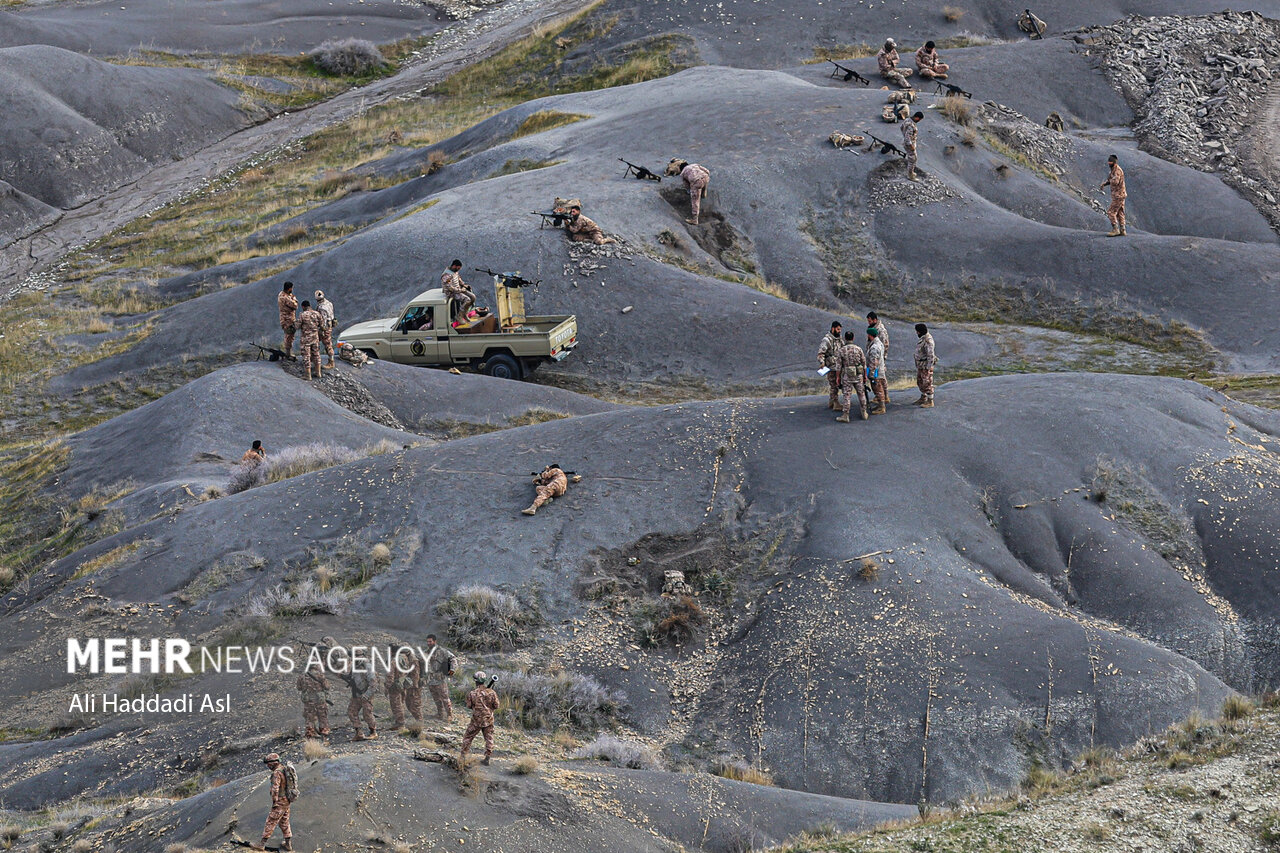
507 344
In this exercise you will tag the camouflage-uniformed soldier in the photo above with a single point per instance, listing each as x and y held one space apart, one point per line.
584 230
363 687
254 454
456 289
1030 24
873 319
440 666
288 304
325 307
315 712
551 483
309 325
697 179
482 701
887 61
929 64
926 358
1115 212
404 685
829 357
910 134
279 814
875 370
853 376
1054 122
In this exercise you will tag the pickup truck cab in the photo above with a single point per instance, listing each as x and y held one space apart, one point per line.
508 345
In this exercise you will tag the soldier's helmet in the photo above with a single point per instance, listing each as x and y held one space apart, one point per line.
480 676
328 641
272 758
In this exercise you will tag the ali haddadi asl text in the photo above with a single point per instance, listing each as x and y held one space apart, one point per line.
154 703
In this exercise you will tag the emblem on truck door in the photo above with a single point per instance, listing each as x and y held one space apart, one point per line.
417 348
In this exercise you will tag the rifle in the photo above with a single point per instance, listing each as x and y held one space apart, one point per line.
556 219
1034 23
951 91
640 172
566 473
847 74
885 147
271 354
510 279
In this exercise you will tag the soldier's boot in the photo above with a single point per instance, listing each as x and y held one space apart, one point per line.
359 737
911 176
1123 232
927 404
373 734
288 843
261 845
311 732
485 762
919 400
530 510
308 372
1114 232
864 413
330 365
843 419
878 409
693 220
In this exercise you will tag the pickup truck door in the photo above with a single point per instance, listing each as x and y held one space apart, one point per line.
415 340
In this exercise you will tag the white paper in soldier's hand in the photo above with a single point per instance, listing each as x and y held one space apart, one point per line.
823 371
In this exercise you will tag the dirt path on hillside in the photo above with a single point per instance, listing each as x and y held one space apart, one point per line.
30 263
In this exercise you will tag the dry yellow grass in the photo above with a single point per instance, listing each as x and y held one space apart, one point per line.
952 14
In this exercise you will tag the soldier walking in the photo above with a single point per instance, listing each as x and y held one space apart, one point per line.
440 666
875 370
852 370
279 814
482 701
696 180
910 134
325 307
314 689
458 290
404 685
550 484
926 358
1115 212
309 324
288 305
829 357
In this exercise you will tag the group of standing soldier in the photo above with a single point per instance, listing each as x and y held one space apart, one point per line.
850 371
315 323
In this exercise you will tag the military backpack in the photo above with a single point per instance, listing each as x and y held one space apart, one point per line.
291 791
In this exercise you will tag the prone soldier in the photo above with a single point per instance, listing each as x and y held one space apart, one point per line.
583 229
551 483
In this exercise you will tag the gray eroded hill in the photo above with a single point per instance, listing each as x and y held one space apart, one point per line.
1111 582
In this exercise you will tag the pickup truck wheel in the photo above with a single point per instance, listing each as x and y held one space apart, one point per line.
370 353
502 367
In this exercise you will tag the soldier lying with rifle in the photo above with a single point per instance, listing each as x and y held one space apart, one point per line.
550 483
847 74
640 172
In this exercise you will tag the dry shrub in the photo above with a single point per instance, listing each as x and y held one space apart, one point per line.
380 556
315 750
545 120
253 176
435 162
414 728
305 599
562 699
84 845
952 14
1237 708
739 771
968 137
672 621
623 753
348 57
402 847
868 569
564 739
525 765
10 833
481 618
958 110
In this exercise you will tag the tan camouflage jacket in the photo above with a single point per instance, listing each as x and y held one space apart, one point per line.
829 351
483 702
556 479
312 685
400 679
925 357
1116 182
288 304
927 59
583 225
254 456
453 284
278 799
887 60
852 365
309 326
875 358
694 175
883 334
325 307
440 664
910 133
